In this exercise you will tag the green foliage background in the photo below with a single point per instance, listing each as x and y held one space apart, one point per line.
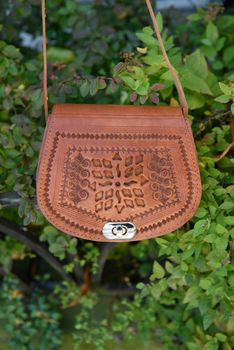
176 290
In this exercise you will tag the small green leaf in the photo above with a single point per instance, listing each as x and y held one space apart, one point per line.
194 83
195 100
129 81
208 318
158 271
84 88
212 32
192 294
147 39
210 238
220 229
201 212
197 64
37 99
221 337
227 90
227 205
205 283
195 17
223 99
159 21
229 220
142 87
93 88
11 51
232 108
200 227
60 55
50 230
140 285
228 54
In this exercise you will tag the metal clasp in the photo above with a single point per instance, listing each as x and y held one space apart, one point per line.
119 230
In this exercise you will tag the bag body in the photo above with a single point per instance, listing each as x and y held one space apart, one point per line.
117 172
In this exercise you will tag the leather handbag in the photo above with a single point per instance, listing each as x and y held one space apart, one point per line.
115 172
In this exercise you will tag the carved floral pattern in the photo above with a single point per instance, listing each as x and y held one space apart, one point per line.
162 178
119 181
76 175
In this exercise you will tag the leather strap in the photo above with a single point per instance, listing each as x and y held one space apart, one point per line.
179 87
183 102
45 90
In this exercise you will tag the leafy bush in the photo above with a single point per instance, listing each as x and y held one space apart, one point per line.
180 286
29 317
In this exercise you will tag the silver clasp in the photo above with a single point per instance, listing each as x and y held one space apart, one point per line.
119 230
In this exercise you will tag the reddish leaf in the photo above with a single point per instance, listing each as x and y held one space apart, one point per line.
112 86
133 97
154 98
157 87
118 80
118 67
102 84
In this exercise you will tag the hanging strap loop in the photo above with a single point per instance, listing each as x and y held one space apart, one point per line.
179 87
45 90
182 98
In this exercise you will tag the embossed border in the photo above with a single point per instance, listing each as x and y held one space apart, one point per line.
118 136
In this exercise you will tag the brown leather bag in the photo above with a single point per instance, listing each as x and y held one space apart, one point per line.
119 173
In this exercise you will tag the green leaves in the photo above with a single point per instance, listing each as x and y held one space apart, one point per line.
29 318
92 86
228 93
195 78
147 37
11 51
59 244
138 83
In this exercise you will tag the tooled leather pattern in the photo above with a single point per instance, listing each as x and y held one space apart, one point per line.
118 181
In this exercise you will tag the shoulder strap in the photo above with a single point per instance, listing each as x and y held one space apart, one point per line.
44 43
174 74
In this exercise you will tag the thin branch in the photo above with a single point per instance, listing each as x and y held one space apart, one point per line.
105 249
217 116
225 152
9 199
9 228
